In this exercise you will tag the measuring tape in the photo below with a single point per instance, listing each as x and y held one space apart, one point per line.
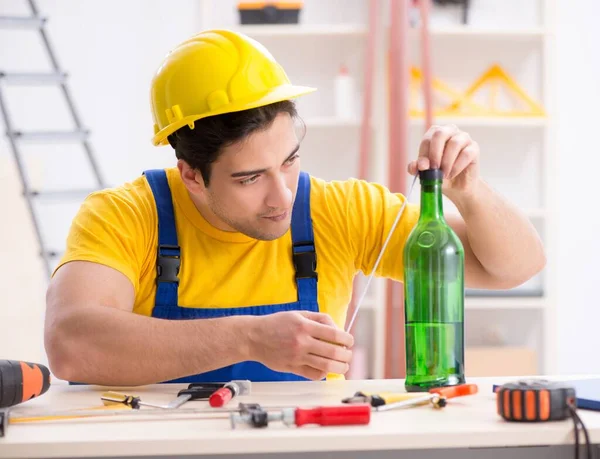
535 401
541 401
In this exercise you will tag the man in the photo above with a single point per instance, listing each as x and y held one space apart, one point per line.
238 237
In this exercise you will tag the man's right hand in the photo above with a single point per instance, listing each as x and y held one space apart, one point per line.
305 343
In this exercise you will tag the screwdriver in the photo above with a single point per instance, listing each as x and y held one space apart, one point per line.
195 391
130 400
323 416
437 396
230 390
380 399
21 381
436 400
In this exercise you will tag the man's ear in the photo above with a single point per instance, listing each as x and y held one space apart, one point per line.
192 178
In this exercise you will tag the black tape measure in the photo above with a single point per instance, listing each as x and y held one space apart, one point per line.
540 401
535 401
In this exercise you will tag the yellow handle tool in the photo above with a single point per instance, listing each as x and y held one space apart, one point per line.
380 398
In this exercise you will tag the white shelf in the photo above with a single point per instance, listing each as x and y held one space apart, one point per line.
512 302
290 30
473 32
295 30
486 121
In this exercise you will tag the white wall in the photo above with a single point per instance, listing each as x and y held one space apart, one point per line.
111 48
578 103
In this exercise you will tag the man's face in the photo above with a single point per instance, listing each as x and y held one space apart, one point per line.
253 183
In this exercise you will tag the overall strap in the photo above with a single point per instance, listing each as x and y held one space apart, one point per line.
303 243
169 256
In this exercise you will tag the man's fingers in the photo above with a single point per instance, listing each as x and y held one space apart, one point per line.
324 319
330 351
465 158
438 143
310 373
326 365
423 164
412 168
453 147
330 334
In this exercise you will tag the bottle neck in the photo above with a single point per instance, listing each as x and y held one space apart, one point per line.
431 200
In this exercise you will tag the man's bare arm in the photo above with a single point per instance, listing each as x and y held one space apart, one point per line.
502 247
92 336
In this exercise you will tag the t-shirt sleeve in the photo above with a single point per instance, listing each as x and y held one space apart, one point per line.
112 228
368 211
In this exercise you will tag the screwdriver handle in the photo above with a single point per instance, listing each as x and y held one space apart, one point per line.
455 391
220 397
359 414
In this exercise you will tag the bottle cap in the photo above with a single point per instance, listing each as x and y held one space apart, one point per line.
431 174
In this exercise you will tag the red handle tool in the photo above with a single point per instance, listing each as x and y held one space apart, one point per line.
333 415
455 391
256 416
232 389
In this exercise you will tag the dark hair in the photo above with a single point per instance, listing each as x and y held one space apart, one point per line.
201 146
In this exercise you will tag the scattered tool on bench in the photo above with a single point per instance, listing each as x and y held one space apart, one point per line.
195 391
540 400
124 411
382 398
206 391
255 416
111 398
387 401
181 413
230 390
21 381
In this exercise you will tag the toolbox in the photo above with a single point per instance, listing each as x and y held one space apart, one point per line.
270 12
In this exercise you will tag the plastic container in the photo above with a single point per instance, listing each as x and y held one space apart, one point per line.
344 95
270 12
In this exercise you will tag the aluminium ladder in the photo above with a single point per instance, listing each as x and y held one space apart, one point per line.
58 78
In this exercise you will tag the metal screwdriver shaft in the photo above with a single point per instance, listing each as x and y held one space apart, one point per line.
362 296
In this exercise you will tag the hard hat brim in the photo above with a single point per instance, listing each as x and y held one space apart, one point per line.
277 94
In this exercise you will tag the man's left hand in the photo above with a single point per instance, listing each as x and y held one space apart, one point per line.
452 150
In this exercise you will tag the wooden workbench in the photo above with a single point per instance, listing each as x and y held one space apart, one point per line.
467 428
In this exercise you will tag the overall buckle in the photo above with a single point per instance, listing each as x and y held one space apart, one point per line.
167 264
305 261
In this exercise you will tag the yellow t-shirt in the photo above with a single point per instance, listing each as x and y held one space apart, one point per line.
351 219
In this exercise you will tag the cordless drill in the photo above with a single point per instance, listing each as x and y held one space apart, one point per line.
21 381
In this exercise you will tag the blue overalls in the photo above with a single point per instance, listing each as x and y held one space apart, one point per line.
166 304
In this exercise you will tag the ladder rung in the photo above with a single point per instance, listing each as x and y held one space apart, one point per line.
60 136
61 194
21 22
33 78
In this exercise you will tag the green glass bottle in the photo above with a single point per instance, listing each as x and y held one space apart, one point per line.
433 295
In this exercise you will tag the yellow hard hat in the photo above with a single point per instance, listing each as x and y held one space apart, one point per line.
215 72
